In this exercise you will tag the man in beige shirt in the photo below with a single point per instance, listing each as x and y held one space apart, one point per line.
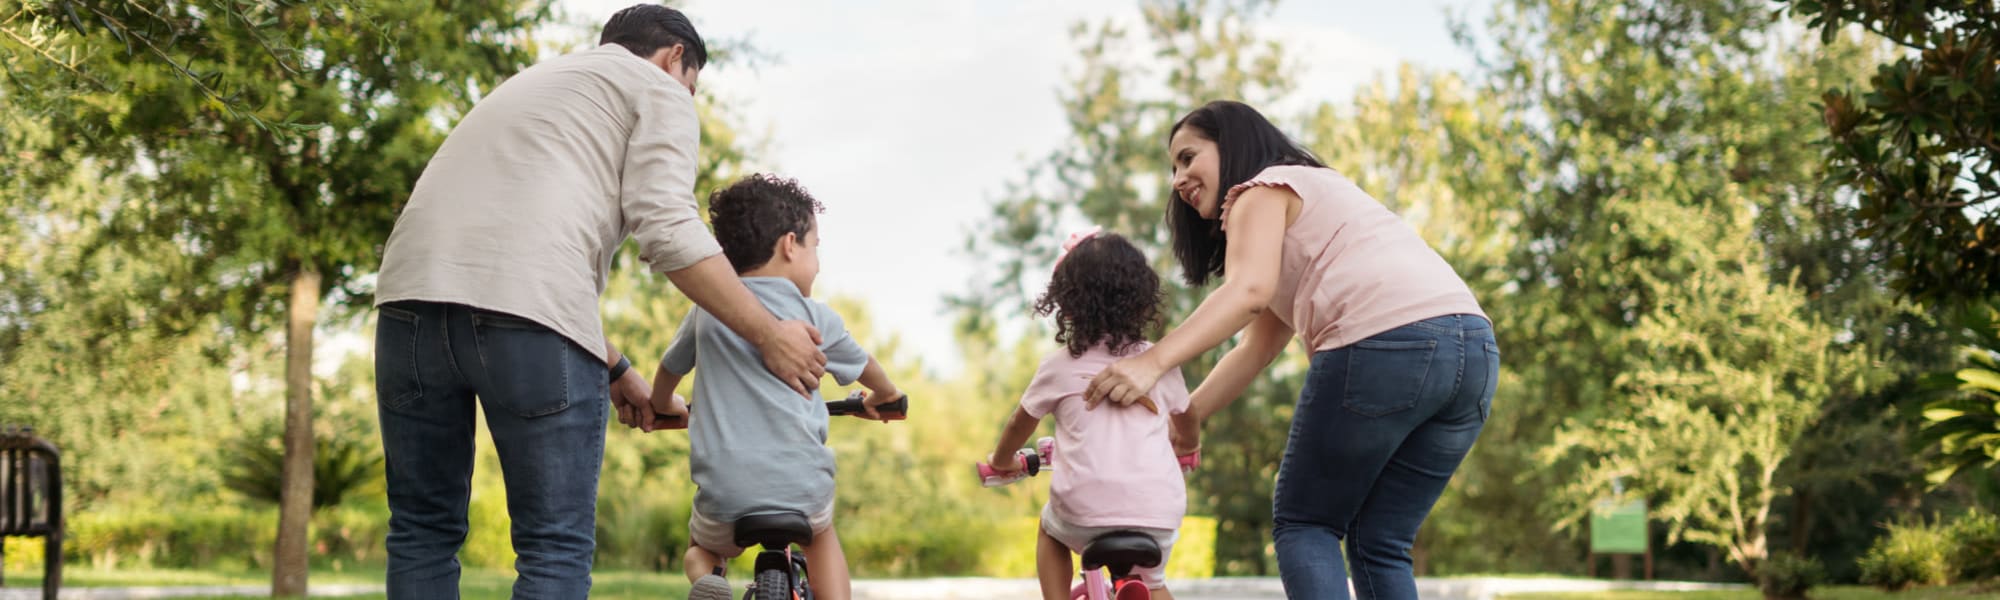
489 289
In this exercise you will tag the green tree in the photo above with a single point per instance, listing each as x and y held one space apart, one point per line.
1734 371
1113 173
45 34
1612 113
1919 146
271 222
77 361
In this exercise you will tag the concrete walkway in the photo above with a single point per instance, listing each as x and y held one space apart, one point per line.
971 588
1259 588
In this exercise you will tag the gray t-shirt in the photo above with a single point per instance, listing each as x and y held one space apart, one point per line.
758 446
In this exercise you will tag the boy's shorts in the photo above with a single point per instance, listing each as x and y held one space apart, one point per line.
1076 537
720 537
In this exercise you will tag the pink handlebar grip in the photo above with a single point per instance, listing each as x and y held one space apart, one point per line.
1190 462
1030 465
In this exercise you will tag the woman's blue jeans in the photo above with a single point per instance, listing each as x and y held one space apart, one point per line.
1381 426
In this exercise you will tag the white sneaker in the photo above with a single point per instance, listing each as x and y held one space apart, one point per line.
710 587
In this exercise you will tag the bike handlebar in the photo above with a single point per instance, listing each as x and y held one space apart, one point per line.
854 405
1042 457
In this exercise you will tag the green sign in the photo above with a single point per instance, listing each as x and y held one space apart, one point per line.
1617 528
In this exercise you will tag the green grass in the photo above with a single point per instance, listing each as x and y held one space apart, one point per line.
86 577
1839 592
475 584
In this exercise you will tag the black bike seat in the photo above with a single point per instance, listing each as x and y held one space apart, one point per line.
1121 550
773 530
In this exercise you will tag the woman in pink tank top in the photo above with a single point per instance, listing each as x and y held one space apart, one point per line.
1403 359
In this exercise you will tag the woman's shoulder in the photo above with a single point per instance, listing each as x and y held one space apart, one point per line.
1299 180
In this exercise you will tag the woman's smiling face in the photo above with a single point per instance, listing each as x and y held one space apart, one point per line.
1196 166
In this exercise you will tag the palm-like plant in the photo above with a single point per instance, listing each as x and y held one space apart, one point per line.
342 465
1964 427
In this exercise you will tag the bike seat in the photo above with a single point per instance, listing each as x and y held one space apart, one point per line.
1122 551
773 530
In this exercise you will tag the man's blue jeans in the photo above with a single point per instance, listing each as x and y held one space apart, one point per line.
1381 426
545 400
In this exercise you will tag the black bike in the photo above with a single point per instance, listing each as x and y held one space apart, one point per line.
780 571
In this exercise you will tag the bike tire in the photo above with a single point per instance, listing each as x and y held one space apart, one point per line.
774 585
1131 589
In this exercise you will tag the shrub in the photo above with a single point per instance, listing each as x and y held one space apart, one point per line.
1976 537
1788 576
1909 554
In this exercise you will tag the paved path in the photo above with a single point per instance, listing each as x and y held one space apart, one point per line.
975 588
1256 588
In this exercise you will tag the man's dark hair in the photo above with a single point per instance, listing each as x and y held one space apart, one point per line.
646 28
751 214
1246 143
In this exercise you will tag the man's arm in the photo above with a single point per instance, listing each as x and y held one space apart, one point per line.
629 390
790 348
656 197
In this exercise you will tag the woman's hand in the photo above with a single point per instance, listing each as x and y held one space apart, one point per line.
1125 382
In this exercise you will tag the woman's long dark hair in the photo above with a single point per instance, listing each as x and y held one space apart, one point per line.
1245 143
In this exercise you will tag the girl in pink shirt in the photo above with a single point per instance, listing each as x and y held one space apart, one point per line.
1403 359
1114 465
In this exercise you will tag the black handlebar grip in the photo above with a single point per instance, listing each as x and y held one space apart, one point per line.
669 422
894 411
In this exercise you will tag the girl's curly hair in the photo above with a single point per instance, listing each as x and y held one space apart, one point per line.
1104 291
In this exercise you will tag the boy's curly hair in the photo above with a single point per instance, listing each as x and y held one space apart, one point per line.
1103 291
751 214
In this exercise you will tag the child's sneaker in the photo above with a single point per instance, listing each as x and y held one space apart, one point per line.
710 587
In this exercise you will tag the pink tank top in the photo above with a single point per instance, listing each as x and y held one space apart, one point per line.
1351 268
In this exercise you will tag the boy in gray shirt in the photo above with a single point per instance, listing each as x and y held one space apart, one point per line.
757 446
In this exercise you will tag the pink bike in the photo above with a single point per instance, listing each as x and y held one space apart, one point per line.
1116 552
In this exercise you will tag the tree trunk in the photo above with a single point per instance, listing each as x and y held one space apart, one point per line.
1801 522
288 571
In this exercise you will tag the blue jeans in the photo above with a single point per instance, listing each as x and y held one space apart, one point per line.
545 400
1380 427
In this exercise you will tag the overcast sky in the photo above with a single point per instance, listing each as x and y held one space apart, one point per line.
920 111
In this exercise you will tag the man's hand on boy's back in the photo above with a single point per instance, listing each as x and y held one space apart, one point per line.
791 351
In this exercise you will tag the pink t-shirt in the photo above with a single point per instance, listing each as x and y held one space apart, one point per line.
1114 466
1351 268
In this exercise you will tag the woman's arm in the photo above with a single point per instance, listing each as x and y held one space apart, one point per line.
1257 236
1263 341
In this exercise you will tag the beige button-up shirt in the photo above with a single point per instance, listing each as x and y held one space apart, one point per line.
525 203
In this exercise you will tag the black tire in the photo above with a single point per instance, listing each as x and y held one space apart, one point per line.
774 585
